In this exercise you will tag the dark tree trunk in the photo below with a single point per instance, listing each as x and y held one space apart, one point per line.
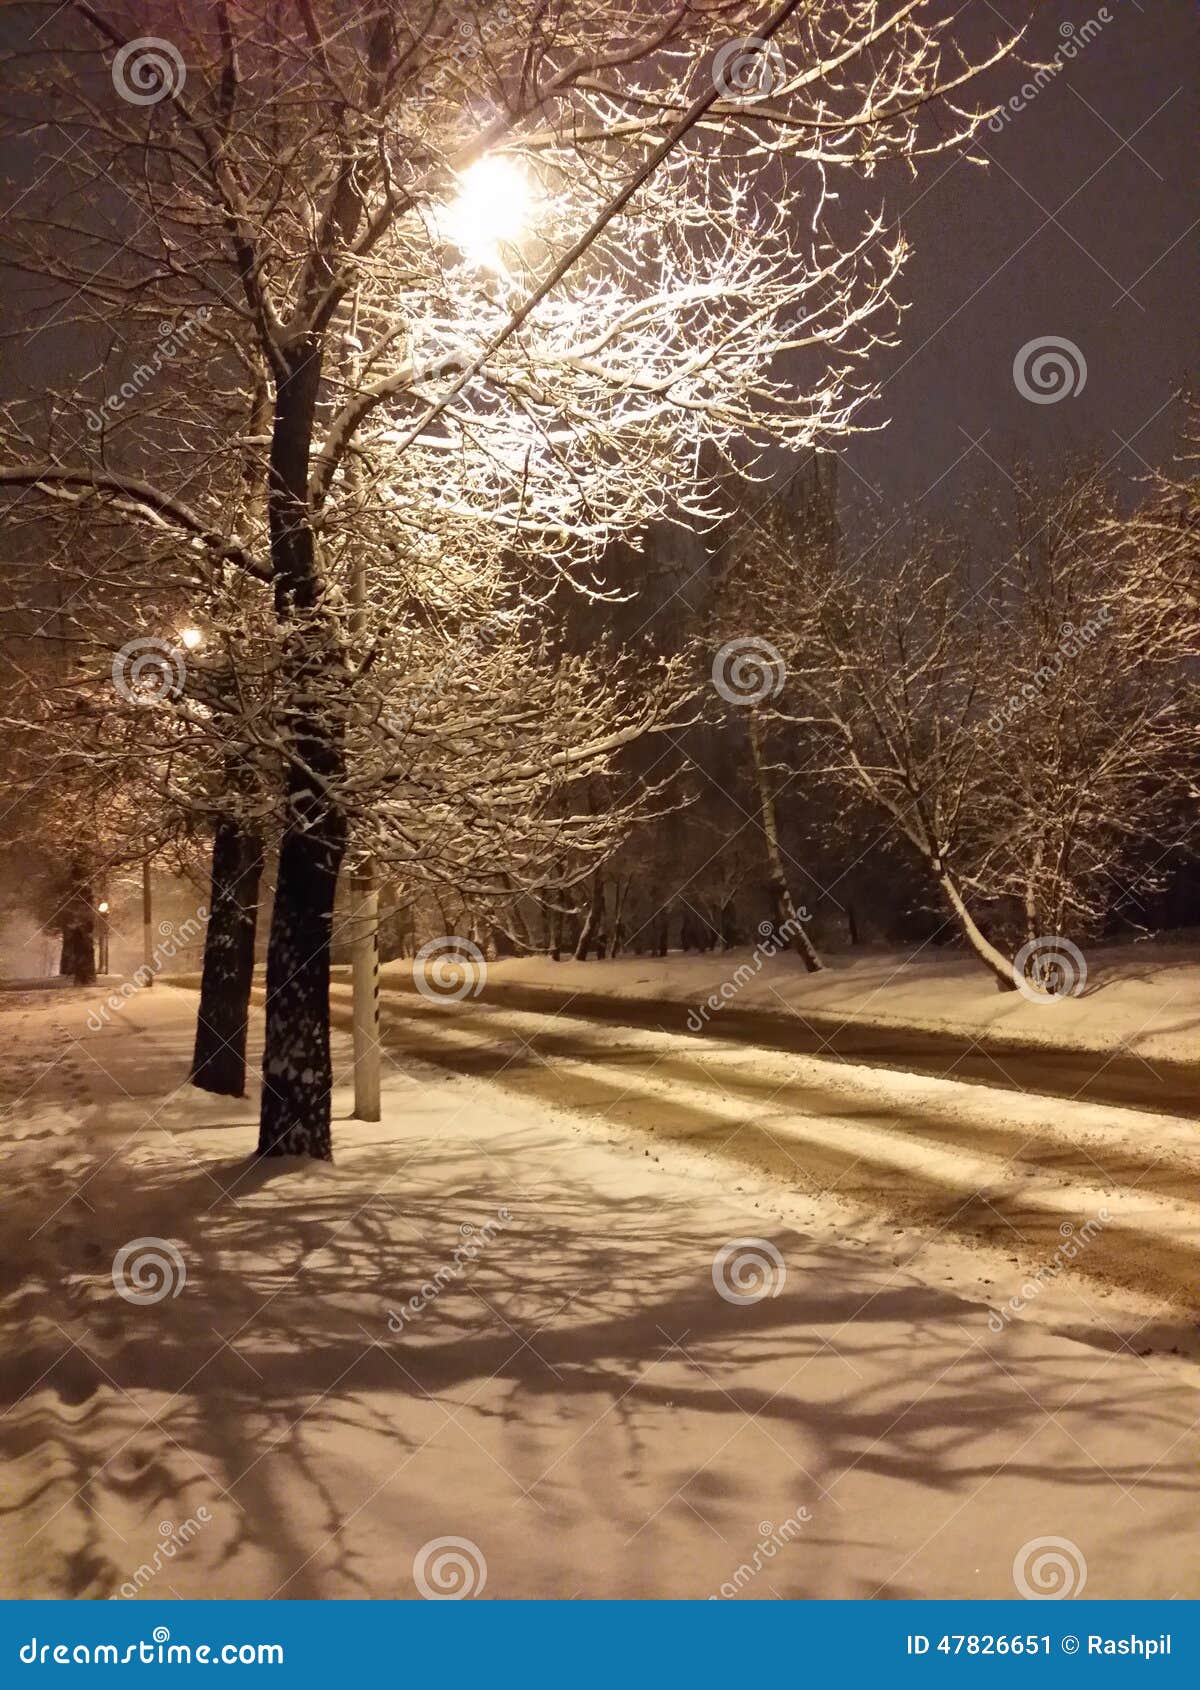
297 1071
79 930
997 964
294 1119
787 918
517 928
591 923
219 1059
662 932
615 942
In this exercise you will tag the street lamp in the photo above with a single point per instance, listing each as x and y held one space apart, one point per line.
491 208
102 910
190 638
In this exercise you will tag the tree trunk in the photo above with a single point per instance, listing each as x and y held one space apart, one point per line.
786 916
78 930
1033 878
997 964
219 1058
591 922
297 1069
516 928
294 1119
616 925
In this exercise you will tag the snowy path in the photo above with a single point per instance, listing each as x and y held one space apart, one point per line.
579 1403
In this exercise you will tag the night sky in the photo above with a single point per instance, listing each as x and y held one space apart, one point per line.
1082 227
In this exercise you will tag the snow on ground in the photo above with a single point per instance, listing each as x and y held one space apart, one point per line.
1144 997
573 1396
900 1153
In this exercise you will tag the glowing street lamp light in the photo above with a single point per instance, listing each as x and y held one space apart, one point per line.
491 209
190 637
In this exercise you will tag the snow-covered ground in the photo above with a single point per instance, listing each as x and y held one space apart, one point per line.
510 1317
1143 998
998 1167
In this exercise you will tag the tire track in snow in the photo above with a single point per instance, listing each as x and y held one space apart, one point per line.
936 1159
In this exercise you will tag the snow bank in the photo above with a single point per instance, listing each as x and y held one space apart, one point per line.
1144 998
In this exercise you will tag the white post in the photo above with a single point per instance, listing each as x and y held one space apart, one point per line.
147 936
364 893
364 957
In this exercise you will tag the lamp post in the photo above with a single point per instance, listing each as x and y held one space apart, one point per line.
364 887
364 928
147 941
491 208
102 912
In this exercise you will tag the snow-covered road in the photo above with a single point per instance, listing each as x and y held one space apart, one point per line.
523 1312
910 1153
1124 1067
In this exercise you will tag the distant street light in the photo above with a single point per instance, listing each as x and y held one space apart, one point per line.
191 638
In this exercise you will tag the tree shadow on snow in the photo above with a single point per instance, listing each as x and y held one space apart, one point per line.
273 1390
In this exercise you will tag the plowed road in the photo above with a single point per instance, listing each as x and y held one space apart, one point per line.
878 1122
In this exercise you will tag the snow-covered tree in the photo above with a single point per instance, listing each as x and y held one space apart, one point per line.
780 549
484 288
885 655
1081 757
